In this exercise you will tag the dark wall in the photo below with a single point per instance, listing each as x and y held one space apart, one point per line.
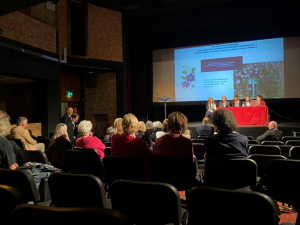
241 21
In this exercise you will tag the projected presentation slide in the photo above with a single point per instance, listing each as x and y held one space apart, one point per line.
243 69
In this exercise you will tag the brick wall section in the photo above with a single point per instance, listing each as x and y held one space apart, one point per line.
20 27
104 34
102 100
62 10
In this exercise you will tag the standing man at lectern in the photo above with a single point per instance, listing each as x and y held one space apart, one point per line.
224 103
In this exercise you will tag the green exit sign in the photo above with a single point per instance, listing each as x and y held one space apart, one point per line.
69 93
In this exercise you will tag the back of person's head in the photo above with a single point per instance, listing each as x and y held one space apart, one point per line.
118 126
157 124
60 131
130 124
109 130
165 126
205 121
177 123
149 125
273 125
21 120
142 127
4 124
84 127
224 120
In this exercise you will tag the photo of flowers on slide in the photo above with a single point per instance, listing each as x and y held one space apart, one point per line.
188 78
265 78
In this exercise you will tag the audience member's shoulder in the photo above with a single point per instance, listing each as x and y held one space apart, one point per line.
4 141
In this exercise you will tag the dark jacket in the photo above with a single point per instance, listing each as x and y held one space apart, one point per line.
70 126
153 135
7 154
227 104
204 130
270 134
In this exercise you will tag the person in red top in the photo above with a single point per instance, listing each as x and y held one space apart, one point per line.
260 98
87 140
173 143
127 145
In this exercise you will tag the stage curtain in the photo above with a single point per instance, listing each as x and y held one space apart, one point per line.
250 115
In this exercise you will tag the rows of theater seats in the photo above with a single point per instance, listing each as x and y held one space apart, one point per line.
261 179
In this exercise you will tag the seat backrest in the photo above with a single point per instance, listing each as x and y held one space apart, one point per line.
24 156
55 215
264 150
129 168
76 190
272 143
83 162
46 142
107 151
253 142
230 173
202 137
177 171
10 198
250 137
293 143
271 139
289 138
198 140
284 181
262 162
199 150
21 180
107 144
51 135
244 204
19 142
294 152
285 150
147 203
56 156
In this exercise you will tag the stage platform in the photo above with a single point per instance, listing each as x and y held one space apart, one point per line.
287 128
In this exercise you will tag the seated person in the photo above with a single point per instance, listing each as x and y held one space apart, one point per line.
7 154
273 132
261 99
127 145
118 126
210 107
236 102
226 144
87 140
109 133
224 103
157 126
164 129
173 143
60 140
204 130
19 132
246 103
149 131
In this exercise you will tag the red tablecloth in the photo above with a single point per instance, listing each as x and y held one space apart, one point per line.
250 115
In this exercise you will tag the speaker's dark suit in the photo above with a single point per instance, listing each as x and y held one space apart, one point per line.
70 126
227 104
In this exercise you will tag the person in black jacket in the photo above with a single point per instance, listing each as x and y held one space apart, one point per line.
70 122
205 130
273 132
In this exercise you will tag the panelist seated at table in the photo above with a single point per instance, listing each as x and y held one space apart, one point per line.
210 107
236 102
260 98
224 103
246 103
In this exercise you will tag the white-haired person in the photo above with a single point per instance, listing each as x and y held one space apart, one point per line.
87 140
8 157
157 126
127 145
19 132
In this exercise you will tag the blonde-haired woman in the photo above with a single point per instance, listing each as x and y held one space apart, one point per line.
127 145
118 126
210 107
58 145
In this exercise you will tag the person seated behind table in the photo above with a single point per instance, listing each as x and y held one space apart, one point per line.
273 132
118 126
260 99
164 129
173 143
210 107
19 132
157 126
246 103
204 130
8 156
236 102
224 103
87 140
226 144
127 145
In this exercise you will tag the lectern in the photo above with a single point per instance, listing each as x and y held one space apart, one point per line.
165 100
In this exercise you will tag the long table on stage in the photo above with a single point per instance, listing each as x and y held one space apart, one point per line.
252 115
